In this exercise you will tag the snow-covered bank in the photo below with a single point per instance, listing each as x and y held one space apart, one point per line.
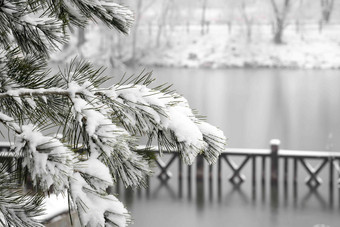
218 49
305 47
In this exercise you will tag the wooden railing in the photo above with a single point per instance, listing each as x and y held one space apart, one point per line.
274 155
276 175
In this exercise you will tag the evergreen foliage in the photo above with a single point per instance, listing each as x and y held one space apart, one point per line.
98 125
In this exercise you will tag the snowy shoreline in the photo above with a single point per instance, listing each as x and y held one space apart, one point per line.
307 48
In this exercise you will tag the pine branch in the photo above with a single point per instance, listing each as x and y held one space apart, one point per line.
98 124
48 161
96 208
16 208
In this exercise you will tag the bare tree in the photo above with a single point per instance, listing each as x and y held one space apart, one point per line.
162 21
248 20
326 11
203 16
140 9
280 15
138 15
327 8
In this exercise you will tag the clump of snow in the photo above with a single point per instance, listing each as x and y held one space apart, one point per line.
215 139
53 206
31 102
108 142
48 161
100 173
275 142
94 208
170 113
35 19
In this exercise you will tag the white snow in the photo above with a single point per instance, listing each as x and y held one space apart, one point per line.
31 102
219 49
5 118
46 171
35 19
176 116
97 207
95 168
275 142
54 205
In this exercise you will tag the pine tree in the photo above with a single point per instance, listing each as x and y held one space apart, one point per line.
98 125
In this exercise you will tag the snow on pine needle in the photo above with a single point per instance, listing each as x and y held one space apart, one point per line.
167 117
48 161
99 126
94 208
103 139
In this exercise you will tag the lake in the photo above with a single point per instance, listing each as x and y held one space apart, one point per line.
251 106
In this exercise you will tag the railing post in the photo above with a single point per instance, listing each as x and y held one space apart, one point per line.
200 181
219 177
331 185
199 168
274 171
180 176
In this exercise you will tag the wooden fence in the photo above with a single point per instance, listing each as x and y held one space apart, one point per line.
277 176
300 159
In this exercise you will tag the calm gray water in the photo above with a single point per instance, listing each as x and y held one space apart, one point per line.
251 106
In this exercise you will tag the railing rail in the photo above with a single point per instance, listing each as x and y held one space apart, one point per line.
274 154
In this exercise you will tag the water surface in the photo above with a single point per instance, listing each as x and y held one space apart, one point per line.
251 106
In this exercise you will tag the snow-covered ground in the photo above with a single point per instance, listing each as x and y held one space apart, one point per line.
306 48
219 48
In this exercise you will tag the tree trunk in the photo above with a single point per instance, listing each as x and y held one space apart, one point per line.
278 32
203 22
326 10
280 17
248 20
229 27
162 23
278 37
135 32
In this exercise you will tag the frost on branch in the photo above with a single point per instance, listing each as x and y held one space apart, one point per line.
47 160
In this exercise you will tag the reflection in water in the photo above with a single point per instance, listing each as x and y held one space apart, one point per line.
236 191
313 192
200 195
168 188
229 197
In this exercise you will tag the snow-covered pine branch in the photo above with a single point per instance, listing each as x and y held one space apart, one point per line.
17 209
166 117
144 111
98 125
31 30
39 27
48 161
88 192
106 137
